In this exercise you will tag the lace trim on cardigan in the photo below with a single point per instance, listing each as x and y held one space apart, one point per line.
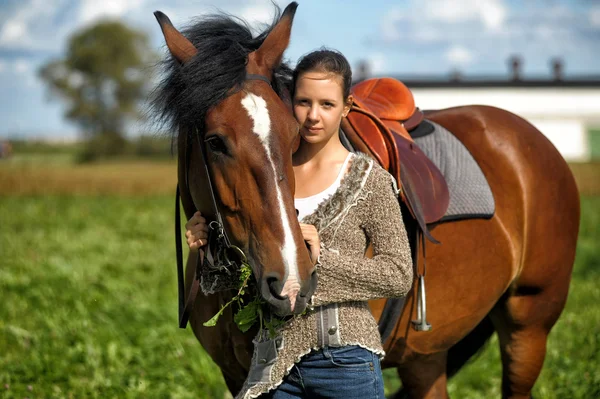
351 185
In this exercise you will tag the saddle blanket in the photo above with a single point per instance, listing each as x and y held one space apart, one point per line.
470 193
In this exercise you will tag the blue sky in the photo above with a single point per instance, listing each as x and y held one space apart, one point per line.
401 37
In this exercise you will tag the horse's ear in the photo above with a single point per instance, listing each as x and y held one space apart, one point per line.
180 47
270 53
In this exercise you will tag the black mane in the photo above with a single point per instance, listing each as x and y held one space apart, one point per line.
188 91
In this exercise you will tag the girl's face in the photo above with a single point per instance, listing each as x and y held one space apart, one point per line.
319 105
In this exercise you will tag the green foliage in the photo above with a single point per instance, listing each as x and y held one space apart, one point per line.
104 145
89 308
246 274
102 77
45 148
248 314
594 141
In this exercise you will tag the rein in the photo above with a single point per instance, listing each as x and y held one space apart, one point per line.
218 248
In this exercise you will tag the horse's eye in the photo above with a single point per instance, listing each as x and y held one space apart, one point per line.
216 144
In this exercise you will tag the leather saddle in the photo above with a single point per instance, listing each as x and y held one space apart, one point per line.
378 124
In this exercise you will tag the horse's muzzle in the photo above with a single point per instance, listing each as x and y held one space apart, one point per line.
294 302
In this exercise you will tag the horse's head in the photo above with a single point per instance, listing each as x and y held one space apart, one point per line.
248 134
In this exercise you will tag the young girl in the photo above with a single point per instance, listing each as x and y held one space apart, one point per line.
345 202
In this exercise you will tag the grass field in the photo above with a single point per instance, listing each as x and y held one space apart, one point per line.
43 173
88 298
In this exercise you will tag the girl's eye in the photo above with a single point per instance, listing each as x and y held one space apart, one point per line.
328 105
216 144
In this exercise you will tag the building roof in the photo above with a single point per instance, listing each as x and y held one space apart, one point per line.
485 82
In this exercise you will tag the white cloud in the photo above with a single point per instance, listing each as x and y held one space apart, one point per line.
544 32
30 26
459 56
482 34
595 17
438 21
18 66
21 66
492 13
257 13
24 70
12 30
389 25
91 10
19 72
377 63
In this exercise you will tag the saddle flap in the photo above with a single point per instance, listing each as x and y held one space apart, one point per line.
385 97
368 132
420 177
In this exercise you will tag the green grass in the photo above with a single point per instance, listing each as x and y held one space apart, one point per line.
88 294
148 147
88 308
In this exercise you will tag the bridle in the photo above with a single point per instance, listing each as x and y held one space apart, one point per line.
219 252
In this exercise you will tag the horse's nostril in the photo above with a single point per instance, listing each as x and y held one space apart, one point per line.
275 287
308 288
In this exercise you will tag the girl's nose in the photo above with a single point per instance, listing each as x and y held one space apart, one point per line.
313 114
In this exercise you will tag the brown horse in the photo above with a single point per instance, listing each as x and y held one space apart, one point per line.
508 274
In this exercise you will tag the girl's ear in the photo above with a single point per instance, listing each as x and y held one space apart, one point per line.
348 105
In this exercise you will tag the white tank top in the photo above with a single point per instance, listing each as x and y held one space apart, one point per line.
307 205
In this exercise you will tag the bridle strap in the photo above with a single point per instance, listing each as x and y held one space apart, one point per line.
252 76
223 231
186 305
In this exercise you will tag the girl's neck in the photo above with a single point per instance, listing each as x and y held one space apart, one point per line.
317 153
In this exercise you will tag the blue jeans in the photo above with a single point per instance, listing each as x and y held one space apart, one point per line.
348 372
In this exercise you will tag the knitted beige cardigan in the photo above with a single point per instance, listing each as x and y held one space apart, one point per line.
364 210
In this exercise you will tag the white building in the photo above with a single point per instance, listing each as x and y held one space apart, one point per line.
564 110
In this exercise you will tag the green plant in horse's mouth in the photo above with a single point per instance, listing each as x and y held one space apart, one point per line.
251 312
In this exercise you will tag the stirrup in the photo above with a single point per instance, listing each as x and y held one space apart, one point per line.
421 323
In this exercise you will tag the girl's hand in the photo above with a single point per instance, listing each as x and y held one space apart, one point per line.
196 232
311 237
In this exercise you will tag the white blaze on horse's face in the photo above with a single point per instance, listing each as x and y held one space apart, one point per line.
257 109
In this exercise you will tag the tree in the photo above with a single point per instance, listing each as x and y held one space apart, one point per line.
102 78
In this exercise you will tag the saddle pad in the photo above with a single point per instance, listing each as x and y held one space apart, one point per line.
470 193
